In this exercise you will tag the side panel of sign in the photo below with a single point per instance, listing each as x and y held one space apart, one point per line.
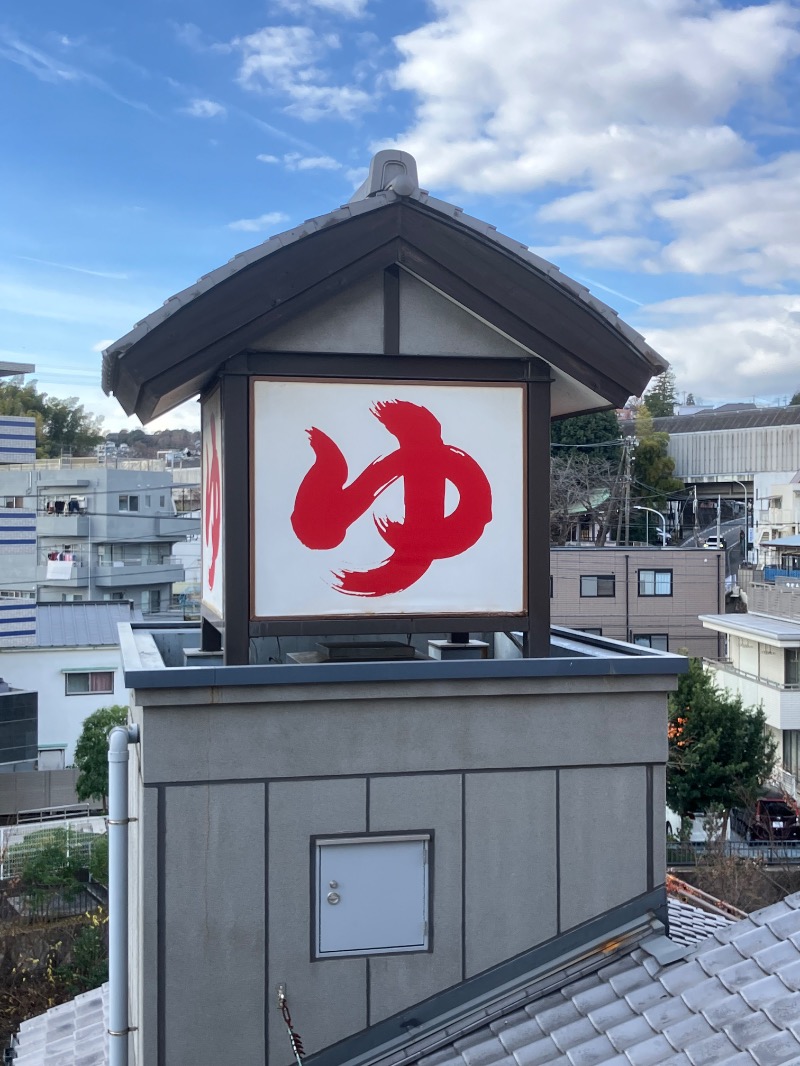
387 498
212 526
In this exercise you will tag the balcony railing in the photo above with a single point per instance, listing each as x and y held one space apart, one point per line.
729 668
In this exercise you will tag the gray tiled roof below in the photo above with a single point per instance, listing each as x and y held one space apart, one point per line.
734 1001
77 625
71 1034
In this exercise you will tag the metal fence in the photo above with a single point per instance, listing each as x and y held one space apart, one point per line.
768 853
18 843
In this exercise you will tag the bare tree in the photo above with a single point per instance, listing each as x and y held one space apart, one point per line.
581 488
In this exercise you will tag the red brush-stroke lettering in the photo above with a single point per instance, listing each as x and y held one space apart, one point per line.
326 506
213 510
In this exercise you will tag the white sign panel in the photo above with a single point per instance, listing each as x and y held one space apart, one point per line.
385 498
212 528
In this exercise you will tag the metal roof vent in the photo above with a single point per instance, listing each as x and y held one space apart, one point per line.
389 169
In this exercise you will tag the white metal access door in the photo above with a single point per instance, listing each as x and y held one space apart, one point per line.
372 895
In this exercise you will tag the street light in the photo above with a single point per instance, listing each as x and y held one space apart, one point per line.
736 481
639 507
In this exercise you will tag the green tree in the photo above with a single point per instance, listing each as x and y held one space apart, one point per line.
719 751
91 752
660 400
61 425
795 400
597 429
653 469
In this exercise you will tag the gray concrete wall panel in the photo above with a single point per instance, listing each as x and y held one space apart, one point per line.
350 322
431 324
213 924
411 803
605 726
602 839
299 810
511 891
659 825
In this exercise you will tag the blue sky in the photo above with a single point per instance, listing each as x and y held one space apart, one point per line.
651 148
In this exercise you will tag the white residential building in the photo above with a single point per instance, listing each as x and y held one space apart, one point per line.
74 666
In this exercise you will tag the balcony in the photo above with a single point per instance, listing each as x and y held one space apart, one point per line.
781 703
138 572
64 527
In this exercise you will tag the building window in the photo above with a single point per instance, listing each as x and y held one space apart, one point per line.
551 586
598 585
13 501
151 601
791 751
655 582
162 501
590 631
79 684
657 641
792 662
129 503
147 501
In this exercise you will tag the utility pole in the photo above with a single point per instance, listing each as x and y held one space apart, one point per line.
627 490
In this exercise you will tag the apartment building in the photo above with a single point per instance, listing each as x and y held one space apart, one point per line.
761 658
80 530
648 596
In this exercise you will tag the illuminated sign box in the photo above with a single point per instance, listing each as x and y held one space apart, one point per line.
385 498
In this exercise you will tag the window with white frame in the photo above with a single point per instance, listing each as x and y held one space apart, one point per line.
83 682
655 582
129 503
598 585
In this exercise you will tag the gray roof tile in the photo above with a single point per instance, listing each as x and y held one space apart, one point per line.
670 1012
594 998
703 995
784 1011
646 996
690 1031
634 1031
577 1032
649 1052
725 1011
782 1048
714 1049
613 1013
594 1052
758 939
538 1053
790 975
517 1030
558 1016
761 993
781 954
743 973
750 1030
682 977
786 924
717 959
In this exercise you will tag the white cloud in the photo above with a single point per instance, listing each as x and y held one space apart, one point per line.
284 60
746 222
257 225
199 108
728 346
268 158
511 98
102 345
614 250
295 161
344 8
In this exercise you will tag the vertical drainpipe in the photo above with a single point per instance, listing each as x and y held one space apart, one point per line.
119 739
627 599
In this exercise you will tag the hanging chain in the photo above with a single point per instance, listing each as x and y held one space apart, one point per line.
294 1037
